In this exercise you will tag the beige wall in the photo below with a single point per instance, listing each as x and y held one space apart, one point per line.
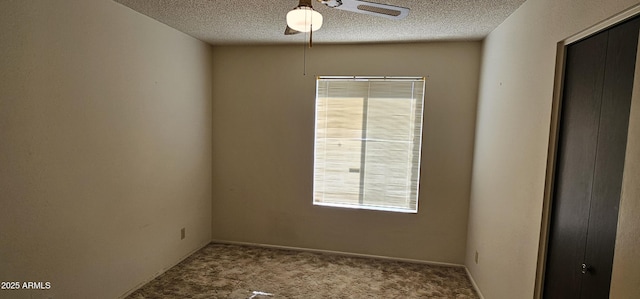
263 120
512 135
105 147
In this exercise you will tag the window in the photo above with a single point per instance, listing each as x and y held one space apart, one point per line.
367 142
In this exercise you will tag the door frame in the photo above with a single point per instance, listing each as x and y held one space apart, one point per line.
554 130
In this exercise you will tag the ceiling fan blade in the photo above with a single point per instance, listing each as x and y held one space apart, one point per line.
290 31
370 8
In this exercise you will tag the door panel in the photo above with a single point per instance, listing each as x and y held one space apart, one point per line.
581 103
612 140
593 127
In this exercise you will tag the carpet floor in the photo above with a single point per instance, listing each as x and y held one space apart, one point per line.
234 271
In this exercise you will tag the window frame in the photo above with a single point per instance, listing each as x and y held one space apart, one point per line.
361 205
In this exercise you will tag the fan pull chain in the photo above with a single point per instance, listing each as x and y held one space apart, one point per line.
304 58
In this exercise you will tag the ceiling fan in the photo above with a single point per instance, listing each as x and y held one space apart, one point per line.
303 18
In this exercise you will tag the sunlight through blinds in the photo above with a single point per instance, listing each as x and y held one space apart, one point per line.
367 142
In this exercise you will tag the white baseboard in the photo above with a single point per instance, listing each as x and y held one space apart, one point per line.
154 276
473 282
350 254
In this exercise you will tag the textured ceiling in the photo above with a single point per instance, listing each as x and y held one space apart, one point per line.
263 22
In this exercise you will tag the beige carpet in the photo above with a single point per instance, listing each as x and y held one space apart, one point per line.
232 271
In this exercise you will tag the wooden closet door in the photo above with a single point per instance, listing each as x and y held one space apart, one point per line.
584 77
592 139
609 164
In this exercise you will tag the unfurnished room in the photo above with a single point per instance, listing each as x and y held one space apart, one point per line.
319 149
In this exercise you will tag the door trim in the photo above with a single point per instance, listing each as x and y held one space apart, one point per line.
553 134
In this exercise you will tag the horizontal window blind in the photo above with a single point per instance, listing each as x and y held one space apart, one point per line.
367 142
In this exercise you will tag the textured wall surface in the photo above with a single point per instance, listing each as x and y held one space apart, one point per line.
263 120
105 151
512 136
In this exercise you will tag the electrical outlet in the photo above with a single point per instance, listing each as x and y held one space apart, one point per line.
183 234
476 258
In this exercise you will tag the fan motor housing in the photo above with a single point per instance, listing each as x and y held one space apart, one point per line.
331 3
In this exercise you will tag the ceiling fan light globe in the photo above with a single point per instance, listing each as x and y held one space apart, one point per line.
304 19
